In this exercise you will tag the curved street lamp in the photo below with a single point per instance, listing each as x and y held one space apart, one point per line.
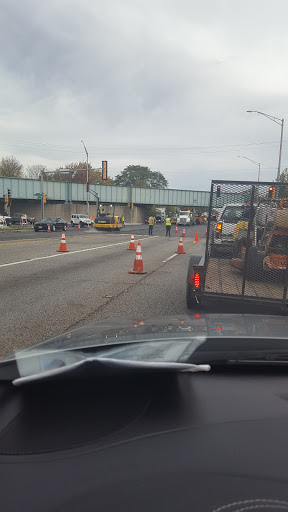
253 161
281 123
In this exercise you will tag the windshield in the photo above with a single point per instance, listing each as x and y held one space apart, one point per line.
147 144
233 213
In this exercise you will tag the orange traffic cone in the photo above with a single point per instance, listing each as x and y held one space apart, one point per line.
63 247
206 232
79 227
183 234
180 249
138 263
132 244
196 237
176 230
48 230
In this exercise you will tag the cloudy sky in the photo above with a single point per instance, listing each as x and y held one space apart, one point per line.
161 83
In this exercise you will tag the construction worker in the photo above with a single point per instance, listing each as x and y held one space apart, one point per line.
151 224
168 226
123 220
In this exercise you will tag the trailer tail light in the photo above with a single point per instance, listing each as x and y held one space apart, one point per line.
197 281
219 227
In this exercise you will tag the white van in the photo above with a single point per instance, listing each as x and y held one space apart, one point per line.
80 218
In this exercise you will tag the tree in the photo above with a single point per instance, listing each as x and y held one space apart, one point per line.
11 167
78 175
283 191
33 171
152 211
139 176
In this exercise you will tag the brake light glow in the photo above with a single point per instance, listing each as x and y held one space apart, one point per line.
197 280
219 227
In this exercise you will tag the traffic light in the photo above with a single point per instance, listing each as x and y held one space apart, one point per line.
87 187
6 198
44 198
271 193
9 193
104 170
218 190
131 205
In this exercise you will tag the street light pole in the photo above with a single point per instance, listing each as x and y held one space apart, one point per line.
280 151
281 123
253 161
87 180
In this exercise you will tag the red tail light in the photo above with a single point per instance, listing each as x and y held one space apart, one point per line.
219 227
197 280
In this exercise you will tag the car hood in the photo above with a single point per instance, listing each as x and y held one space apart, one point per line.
118 330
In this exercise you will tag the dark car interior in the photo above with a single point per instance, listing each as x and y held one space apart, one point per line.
203 442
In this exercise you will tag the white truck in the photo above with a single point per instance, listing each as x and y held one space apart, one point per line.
79 218
185 218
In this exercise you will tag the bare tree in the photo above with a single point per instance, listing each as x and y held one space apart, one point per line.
33 171
11 167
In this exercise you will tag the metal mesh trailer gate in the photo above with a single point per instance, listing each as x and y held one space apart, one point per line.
247 242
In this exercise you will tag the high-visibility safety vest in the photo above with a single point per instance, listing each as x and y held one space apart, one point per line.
151 221
168 221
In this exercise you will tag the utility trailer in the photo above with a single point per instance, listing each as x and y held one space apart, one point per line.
250 270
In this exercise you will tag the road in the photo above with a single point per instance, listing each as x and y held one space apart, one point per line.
44 292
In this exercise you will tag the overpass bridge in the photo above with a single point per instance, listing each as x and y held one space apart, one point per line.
67 193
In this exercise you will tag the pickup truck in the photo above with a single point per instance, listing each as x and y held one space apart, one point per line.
231 280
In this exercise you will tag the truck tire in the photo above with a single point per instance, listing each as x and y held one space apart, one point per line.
254 271
191 301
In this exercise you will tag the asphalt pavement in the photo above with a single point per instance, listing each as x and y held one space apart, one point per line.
44 292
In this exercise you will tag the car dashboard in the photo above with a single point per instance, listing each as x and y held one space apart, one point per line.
202 442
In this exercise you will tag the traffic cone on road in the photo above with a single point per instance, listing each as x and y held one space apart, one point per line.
132 244
138 263
79 227
176 230
206 232
48 230
196 237
180 249
183 234
63 247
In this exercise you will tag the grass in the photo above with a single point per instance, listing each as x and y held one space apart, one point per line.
15 226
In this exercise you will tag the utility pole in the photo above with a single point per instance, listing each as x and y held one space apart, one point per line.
87 179
42 198
281 123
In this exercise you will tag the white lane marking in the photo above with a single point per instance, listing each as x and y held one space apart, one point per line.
70 252
170 257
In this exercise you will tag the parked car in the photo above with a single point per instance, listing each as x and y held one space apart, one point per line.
54 222
80 218
18 217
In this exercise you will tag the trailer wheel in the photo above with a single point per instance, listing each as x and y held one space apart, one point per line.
254 270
